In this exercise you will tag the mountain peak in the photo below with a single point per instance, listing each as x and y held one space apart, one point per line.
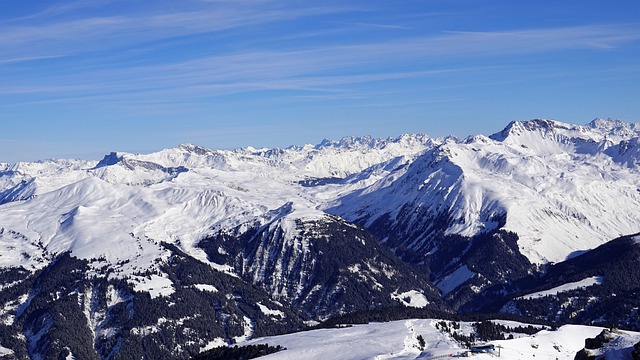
367 141
615 128
349 142
607 124
110 159
192 148
519 127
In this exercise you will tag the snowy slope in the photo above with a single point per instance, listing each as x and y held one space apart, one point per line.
594 280
22 180
398 340
120 208
562 188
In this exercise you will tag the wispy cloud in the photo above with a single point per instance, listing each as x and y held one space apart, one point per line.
405 52
322 69
58 9
502 42
28 39
381 26
43 35
112 63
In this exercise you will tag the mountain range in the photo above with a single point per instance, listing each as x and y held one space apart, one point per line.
165 254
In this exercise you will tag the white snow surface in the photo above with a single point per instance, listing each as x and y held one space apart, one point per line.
265 310
248 330
398 340
453 280
563 188
5 352
206 287
217 342
411 298
155 285
594 280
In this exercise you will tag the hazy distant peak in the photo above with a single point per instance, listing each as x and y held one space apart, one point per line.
617 129
192 148
607 124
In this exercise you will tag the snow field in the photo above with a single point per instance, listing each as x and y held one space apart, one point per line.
411 298
594 280
398 340
453 280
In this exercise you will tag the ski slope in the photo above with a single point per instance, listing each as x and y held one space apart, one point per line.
398 340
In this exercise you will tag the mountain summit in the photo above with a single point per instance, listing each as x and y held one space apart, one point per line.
444 223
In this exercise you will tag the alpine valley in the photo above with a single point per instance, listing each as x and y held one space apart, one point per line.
165 255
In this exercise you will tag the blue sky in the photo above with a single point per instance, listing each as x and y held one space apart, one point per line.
82 78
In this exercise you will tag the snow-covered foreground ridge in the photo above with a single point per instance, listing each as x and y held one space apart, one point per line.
562 188
399 340
594 280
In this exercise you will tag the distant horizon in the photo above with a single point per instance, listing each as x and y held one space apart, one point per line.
99 156
82 78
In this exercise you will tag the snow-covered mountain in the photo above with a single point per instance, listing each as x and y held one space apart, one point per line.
319 228
561 188
487 210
